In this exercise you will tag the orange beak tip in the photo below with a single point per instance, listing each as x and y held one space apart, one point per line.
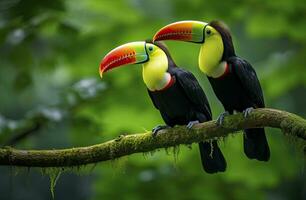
101 73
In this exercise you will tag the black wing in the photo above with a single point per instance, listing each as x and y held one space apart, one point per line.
249 81
193 90
153 101
165 117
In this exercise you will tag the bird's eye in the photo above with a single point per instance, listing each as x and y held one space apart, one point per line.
208 31
150 48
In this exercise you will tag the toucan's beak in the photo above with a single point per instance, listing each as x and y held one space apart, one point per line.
189 31
130 53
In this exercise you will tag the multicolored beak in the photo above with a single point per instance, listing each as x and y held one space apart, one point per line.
189 31
130 53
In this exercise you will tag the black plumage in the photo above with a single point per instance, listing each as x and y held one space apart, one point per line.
185 101
238 90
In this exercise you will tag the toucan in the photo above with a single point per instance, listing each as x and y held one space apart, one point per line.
175 92
232 78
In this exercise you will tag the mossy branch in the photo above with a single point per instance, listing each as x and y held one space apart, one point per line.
125 145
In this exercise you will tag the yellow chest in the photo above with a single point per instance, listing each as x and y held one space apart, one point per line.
211 54
154 72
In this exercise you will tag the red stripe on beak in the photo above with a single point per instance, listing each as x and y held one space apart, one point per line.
175 31
120 56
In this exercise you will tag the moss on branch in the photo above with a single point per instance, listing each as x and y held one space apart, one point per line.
136 143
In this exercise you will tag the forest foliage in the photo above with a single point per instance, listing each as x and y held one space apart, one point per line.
49 56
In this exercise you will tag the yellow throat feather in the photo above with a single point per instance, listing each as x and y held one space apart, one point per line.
154 71
211 53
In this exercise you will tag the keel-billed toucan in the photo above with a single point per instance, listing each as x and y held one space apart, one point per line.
173 91
233 79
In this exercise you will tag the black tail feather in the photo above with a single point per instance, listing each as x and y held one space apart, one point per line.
212 158
256 145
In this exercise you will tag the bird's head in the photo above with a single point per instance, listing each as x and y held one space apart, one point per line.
153 57
130 53
214 37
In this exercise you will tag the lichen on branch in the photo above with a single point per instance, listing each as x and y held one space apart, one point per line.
129 144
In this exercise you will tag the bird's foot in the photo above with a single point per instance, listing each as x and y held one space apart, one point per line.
192 123
220 118
120 137
158 128
247 112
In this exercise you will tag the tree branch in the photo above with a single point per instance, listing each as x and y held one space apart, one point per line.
125 145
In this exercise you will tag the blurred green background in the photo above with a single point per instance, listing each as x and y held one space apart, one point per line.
52 97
